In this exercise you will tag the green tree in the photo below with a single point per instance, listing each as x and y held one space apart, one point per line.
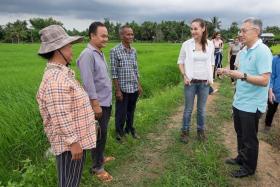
40 23
148 30
216 23
2 33
16 32
273 29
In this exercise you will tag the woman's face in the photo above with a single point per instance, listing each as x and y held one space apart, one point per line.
197 30
67 52
236 41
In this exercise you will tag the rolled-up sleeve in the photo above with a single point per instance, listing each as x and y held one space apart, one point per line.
113 61
182 55
86 67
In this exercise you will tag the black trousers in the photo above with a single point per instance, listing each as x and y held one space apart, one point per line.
246 128
97 153
272 108
231 63
69 171
125 113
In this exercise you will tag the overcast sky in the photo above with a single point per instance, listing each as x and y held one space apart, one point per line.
80 13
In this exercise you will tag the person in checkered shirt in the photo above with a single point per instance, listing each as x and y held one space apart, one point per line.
68 118
125 77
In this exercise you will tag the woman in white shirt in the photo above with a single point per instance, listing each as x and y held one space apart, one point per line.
196 61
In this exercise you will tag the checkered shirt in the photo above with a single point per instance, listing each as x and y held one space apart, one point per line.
124 68
65 109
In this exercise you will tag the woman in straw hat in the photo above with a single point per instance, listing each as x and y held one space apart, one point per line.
64 106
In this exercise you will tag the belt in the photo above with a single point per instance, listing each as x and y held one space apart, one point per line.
198 81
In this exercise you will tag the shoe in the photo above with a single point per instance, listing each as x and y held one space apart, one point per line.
135 135
119 137
242 172
233 161
185 136
201 135
104 176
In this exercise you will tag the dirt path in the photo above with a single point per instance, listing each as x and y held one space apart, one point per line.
268 169
151 161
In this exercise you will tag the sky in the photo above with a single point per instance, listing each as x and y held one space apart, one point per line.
79 14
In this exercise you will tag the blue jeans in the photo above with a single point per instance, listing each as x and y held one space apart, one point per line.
202 92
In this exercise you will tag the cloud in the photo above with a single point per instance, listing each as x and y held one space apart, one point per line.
140 10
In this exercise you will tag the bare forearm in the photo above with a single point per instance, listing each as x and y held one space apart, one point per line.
260 80
116 85
182 69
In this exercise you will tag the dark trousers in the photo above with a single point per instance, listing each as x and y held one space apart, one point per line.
125 113
272 108
69 171
231 64
246 128
218 62
97 153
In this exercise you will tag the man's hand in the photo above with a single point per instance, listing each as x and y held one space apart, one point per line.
96 108
119 95
231 73
76 151
186 80
271 96
97 111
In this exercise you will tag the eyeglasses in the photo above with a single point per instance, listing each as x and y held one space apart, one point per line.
246 30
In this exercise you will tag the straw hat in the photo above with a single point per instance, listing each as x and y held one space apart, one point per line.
54 37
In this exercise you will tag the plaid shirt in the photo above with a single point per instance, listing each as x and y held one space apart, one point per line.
124 68
65 109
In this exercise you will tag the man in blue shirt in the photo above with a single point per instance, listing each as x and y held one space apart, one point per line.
98 85
250 98
273 93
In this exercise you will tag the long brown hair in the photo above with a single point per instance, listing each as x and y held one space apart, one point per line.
204 34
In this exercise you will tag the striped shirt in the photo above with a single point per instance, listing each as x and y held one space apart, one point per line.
124 68
65 109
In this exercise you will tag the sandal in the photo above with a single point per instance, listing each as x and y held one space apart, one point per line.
104 176
108 159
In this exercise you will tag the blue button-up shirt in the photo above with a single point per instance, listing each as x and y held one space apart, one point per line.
254 61
275 78
95 76
124 68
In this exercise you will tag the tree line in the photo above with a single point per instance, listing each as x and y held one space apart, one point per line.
164 31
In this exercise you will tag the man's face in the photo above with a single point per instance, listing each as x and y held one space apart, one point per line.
127 35
100 39
248 33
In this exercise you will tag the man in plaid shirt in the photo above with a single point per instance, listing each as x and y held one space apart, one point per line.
126 82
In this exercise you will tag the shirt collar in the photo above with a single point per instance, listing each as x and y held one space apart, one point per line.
94 49
63 68
125 49
258 42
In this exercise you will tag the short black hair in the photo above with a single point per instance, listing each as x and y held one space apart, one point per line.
93 27
48 55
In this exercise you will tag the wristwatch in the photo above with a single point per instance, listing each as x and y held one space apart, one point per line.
244 77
